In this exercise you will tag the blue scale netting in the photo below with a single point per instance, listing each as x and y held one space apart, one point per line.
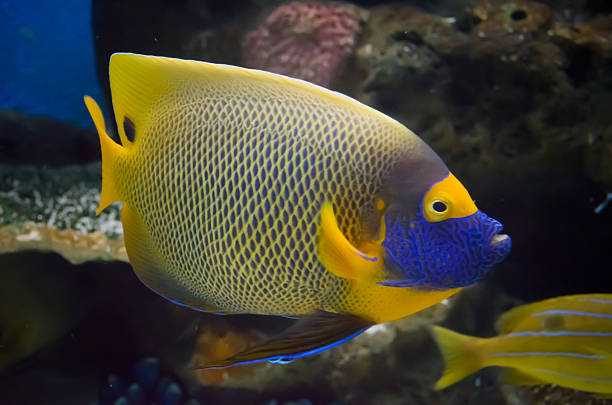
442 255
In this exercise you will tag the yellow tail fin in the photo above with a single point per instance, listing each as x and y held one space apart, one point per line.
110 151
461 355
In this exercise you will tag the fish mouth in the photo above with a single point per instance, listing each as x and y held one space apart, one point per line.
495 235
499 243
498 238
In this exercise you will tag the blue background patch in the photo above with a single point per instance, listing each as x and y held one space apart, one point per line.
47 58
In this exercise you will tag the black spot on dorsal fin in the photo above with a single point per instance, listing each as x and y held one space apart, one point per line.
129 129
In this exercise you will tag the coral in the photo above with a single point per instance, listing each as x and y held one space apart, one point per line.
515 32
402 23
308 41
75 246
595 32
53 209
500 89
400 42
502 17
65 197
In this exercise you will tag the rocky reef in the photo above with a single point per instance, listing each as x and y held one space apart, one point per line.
53 209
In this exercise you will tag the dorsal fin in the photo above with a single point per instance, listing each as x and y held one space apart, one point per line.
139 81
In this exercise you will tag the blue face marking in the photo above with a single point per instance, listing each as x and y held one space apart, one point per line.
442 255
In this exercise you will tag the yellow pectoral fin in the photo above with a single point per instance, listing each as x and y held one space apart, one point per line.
338 255
110 151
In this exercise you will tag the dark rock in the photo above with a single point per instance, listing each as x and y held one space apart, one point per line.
28 139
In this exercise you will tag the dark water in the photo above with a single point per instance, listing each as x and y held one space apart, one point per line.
514 96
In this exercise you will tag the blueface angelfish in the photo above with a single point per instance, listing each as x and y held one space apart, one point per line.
249 192
565 341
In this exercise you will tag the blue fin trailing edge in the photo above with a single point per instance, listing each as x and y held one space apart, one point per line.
310 335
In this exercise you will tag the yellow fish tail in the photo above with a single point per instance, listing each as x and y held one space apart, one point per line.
110 151
461 355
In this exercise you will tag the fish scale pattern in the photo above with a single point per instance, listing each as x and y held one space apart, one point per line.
230 178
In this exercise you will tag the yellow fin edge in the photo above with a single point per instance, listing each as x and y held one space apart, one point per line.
110 151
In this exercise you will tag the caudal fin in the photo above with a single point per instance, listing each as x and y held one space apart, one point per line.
110 151
461 355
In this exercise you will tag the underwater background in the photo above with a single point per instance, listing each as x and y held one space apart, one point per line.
515 96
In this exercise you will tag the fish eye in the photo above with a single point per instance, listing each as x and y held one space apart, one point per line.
439 206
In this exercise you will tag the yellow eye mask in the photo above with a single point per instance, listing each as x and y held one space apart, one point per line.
447 199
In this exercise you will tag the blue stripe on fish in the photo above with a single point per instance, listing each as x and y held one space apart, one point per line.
597 300
576 313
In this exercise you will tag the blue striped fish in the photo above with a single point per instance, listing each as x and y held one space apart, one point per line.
565 341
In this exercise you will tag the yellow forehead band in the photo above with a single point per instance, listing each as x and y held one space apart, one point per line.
447 199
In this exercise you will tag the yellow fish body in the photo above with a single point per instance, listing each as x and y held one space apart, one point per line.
565 341
249 192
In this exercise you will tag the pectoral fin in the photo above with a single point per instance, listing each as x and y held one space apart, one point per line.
310 335
338 255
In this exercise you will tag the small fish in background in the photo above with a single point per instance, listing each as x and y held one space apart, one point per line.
565 341
249 192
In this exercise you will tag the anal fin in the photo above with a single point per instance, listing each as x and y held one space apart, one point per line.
311 334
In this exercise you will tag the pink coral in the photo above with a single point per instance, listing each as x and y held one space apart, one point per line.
308 41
